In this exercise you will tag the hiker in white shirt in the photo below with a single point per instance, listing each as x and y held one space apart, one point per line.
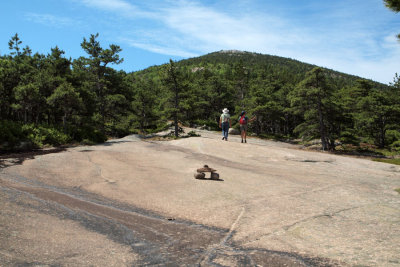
225 123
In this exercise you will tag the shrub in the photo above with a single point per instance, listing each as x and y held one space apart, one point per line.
119 129
54 136
395 146
33 135
89 134
87 142
10 134
40 135
392 136
348 137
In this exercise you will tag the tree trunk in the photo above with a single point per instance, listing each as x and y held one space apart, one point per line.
176 124
64 121
382 138
322 128
176 107
25 116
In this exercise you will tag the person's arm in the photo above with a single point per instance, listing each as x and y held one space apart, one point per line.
252 119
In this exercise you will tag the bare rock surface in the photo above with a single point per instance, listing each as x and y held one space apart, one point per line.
134 202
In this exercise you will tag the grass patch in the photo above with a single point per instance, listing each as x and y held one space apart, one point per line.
391 161
397 190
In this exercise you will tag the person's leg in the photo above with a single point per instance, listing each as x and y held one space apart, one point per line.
245 133
226 128
223 130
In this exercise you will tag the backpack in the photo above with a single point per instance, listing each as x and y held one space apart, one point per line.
243 120
225 118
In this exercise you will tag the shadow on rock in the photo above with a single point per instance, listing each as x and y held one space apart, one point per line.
209 179
8 159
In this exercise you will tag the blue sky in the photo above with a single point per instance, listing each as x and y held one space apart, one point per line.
351 36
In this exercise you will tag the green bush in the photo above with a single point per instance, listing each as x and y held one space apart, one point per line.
10 134
17 136
395 146
119 129
392 136
40 135
55 137
88 134
33 134
348 137
87 142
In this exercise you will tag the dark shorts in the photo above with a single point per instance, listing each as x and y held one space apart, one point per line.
243 127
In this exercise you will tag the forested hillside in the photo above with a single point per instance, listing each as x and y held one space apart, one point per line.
49 99
289 98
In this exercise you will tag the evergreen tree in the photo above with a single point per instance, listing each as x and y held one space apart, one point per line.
27 97
15 70
145 105
14 45
394 5
375 115
395 104
66 99
312 98
240 78
174 83
9 79
96 65
219 95
55 71
267 104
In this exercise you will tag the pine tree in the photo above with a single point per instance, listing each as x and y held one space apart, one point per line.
313 99
145 104
174 83
66 99
96 65
394 5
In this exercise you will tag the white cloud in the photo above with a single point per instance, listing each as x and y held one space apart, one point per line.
117 5
160 49
51 20
205 29
337 39
123 8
